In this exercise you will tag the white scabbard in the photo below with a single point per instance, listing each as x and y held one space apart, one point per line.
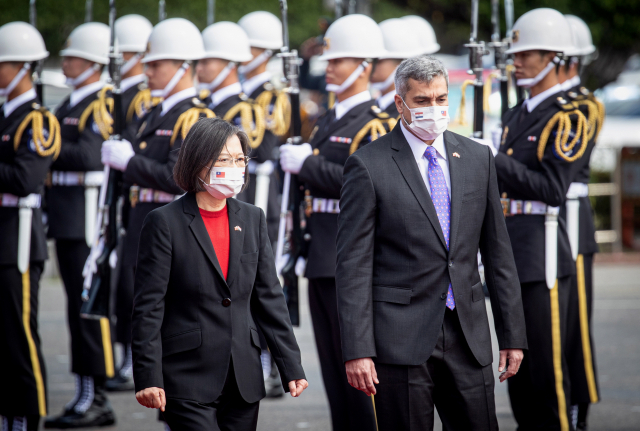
551 246
283 216
573 225
24 238
92 182
263 172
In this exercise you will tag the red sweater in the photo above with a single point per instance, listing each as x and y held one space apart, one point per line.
217 224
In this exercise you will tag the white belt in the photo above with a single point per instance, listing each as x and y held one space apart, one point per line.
265 168
578 190
321 205
520 207
137 194
64 178
31 201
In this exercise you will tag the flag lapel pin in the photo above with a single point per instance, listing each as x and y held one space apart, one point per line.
456 155
238 228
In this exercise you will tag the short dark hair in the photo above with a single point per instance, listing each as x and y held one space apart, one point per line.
202 146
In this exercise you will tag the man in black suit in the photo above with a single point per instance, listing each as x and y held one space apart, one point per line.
416 205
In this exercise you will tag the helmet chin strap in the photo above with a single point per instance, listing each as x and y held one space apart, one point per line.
4 92
338 89
211 86
74 82
248 68
530 82
130 63
381 86
174 81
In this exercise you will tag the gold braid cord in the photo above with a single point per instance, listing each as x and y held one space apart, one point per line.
250 114
487 89
44 147
375 127
280 119
187 119
101 110
463 102
142 103
563 121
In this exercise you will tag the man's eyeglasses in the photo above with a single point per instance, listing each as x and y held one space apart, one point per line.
240 162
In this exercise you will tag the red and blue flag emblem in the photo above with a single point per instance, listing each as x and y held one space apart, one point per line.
419 115
219 174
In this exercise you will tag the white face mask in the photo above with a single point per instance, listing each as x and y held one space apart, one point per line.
225 182
530 82
429 122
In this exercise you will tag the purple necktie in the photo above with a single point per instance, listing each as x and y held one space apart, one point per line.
440 198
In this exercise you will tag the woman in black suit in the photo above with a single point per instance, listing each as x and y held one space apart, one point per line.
206 281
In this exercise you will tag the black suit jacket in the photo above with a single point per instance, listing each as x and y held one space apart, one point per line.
394 269
188 322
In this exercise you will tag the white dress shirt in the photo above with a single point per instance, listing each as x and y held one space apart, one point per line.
418 148
16 102
345 106
250 85
387 99
174 99
533 102
224 93
81 93
129 82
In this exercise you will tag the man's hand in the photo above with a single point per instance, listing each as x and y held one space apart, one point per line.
515 359
152 398
297 386
362 375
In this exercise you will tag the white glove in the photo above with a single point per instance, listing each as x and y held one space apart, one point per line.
117 154
496 137
292 157
280 263
487 142
301 265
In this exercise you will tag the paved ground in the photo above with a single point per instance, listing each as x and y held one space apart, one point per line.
617 319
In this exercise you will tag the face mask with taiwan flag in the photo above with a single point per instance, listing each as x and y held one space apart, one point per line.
429 122
225 182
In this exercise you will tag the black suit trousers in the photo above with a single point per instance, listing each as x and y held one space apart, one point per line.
230 412
351 409
452 380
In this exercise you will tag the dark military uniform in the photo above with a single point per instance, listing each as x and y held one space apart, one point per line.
333 141
535 168
391 111
23 168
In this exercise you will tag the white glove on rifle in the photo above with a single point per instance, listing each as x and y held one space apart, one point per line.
292 157
117 154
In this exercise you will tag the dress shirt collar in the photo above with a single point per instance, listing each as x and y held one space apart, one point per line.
82 93
174 99
534 101
15 103
386 99
250 85
224 93
570 83
345 106
129 82
418 147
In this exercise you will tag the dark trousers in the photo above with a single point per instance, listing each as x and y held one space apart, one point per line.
540 391
23 382
124 304
451 380
350 408
91 349
580 350
230 412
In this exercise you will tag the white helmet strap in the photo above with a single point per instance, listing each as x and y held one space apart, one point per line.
174 81
335 88
211 86
381 86
74 82
130 63
530 82
4 92
248 68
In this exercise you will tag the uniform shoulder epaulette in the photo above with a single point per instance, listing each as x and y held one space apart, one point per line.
379 126
251 119
563 122
142 102
101 110
188 118
277 120
44 145
595 111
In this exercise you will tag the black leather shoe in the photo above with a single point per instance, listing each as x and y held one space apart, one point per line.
57 421
98 414
120 383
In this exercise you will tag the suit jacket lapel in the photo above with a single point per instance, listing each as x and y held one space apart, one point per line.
456 173
236 239
409 169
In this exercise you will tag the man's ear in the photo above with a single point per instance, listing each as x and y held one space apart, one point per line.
399 105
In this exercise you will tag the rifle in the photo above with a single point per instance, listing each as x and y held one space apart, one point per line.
96 294
88 11
37 72
338 8
291 196
211 7
500 47
161 12
476 52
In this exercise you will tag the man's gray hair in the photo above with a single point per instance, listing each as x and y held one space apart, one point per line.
422 68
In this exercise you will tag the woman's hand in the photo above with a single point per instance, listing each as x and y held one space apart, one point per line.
296 387
154 398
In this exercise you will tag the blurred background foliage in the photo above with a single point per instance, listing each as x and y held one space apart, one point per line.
615 24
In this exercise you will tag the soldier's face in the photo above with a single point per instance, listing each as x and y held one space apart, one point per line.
72 67
383 69
208 68
529 63
160 73
8 71
254 53
339 69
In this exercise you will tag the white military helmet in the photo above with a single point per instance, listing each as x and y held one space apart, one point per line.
353 36
422 30
89 41
132 32
541 29
263 28
20 41
581 36
399 42
226 40
174 39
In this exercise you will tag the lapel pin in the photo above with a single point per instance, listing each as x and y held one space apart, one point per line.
238 228
456 155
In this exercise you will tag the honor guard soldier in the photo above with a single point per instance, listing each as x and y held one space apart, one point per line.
72 200
147 161
539 152
351 44
581 230
29 142
401 41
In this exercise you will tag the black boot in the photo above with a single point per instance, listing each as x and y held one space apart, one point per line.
57 421
92 410
583 410
19 422
123 380
273 384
